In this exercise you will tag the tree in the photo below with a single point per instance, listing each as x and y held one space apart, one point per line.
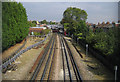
51 23
44 22
74 14
34 22
75 19
14 24
31 24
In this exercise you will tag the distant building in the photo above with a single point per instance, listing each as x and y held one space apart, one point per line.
39 30
117 24
91 26
104 26
43 25
36 29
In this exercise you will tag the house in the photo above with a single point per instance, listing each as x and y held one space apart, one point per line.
91 26
117 24
35 29
105 26
43 25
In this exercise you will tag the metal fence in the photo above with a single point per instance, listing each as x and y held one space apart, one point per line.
5 64
15 52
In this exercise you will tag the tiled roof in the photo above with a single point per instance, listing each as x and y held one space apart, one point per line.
35 29
103 25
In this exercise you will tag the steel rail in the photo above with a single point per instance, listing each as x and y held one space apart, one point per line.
51 62
46 65
73 62
41 61
67 60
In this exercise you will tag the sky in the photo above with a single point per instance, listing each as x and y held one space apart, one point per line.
66 0
53 11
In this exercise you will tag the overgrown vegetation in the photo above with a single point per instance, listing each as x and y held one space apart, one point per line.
14 24
104 41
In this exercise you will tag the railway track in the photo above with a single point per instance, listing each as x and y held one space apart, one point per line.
70 69
44 67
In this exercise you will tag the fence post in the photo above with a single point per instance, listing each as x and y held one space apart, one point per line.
77 40
86 49
115 73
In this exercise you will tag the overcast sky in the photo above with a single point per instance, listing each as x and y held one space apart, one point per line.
53 11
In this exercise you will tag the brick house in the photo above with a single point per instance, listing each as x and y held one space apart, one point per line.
31 29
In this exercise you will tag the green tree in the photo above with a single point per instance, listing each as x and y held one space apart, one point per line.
44 22
75 19
31 24
75 14
14 24
34 22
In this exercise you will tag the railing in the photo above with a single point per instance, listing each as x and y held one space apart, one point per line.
5 64
14 52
